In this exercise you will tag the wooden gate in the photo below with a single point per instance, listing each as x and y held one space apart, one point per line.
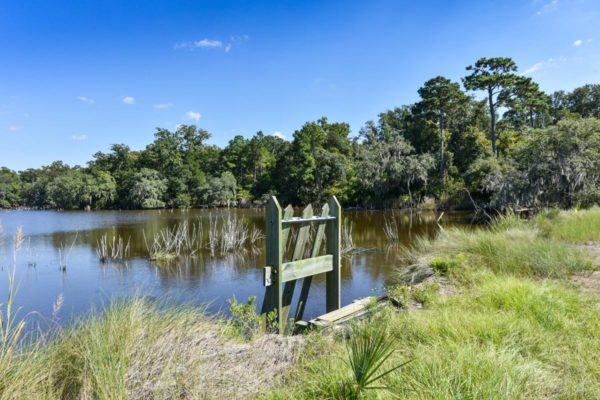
300 258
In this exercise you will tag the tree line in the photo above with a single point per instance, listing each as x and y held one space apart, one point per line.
515 147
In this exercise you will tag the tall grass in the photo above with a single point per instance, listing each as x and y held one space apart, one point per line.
115 249
507 248
572 226
502 329
135 349
226 235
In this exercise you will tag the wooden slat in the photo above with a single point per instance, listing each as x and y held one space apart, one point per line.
333 278
316 249
357 309
299 220
310 266
285 231
288 291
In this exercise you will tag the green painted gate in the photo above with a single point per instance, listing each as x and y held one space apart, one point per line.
293 251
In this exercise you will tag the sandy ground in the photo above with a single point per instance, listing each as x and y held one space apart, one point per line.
590 281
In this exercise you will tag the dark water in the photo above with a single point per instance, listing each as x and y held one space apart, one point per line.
87 283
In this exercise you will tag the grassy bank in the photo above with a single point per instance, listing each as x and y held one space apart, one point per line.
491 314
137 350
499 319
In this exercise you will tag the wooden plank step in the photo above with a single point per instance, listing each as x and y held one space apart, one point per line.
353 310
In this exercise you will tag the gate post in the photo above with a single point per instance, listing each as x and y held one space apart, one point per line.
274 259
333 235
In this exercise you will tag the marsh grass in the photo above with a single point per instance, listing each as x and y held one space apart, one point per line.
572 226
512 327
137 349
114 249
64 252
391 228
510 249
225 235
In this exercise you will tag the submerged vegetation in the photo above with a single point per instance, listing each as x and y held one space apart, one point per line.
448 149
225 235
114 249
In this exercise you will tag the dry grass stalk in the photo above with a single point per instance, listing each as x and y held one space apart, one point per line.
391 229
64 252
347 241
11 328
115 249
230 234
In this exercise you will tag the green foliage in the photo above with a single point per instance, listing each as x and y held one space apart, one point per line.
496 76
218 191
244 318
368 350
10 188
447 148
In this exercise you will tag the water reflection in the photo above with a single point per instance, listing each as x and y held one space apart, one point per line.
203 278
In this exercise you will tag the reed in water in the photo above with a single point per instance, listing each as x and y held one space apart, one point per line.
229 234
114 249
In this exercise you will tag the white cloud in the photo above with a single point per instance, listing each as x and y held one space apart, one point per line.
548 7
544 64
78 138
577 43
212 43
14 128
208 43
163 106
203 43
278 134
535 67
86 99
128 100
193 115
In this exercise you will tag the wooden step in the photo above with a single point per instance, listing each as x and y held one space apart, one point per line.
356 309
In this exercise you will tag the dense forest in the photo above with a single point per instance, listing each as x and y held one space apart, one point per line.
515 147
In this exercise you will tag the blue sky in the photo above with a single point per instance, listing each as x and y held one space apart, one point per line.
76 77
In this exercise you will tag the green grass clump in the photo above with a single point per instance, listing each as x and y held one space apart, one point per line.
505 338
131 350
572 226
512 250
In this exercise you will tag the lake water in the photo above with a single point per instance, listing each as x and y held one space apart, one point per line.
87 283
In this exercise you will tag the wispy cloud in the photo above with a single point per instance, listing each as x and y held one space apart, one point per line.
580 42
163 106
200 44
86 99
535 67
193 115
206 43
548 7
278 134
543 64
129 100
14 128
78 138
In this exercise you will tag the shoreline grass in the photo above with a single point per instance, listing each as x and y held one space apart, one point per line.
498 318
